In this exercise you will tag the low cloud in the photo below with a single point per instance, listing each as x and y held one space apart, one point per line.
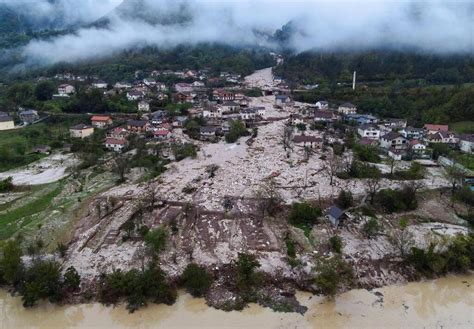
434 26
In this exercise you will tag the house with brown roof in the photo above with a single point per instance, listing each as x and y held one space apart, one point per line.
115 144
308 141
101 121
433 129
393 140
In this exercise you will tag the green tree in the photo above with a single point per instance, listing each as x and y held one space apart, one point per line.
196 280
345 199
72 279
331 274
371 228
304 214
44 91
11 265
156 240
246 277
42 281
335 242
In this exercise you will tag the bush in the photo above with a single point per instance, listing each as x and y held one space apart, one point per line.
290 247
335 242
41 281
156 240
304 214
197 280
359 169
367 153
6 185
247 278
237 130
458 257
416 171
345 199
371 228
72 279
333 273
137 288
397 200
465 195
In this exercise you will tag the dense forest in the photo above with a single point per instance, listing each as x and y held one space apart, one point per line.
313 67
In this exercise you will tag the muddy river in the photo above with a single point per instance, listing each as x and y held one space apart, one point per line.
443 303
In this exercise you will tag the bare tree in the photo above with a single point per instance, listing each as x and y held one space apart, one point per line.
334 165
121 168
286 139
454 175
402 239
269 197
372 185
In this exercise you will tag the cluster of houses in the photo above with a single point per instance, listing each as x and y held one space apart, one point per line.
26 116
393 136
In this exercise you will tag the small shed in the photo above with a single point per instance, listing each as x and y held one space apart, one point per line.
335 215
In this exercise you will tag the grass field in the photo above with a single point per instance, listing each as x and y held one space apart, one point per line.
462 127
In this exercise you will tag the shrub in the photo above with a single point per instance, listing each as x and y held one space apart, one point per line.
237 130
290 247
397 200
247 278
333 273
156 240
72 279
6 185
367 153
304 214
371 228
335 242
345 199
41 281
197 280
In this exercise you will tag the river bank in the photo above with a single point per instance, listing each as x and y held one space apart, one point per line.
445 302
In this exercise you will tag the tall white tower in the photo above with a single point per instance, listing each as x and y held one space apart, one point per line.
354 80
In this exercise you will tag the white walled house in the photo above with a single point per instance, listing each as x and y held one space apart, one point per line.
393 140
143 106
115 144
347 108
322 105
65 90
369 131
466 144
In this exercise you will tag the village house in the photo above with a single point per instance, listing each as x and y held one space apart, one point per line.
99 84
184 97
212 112
444 137
179 121
324 116
143 106
231 106
149 82
81 131
466 143
260 111
361 119
225 126
322 105
118 133
395 123
396 154
412 133
101 121
183 87
418 149
123 85
115 144
244 102
6 122
347 108
239 96
248 114
134 95
160 86
198 85
207 132
28 116
369 131
281 100
137 126
158 117
161 134
223 95
308 141
393 140
364 141
66 90
433 129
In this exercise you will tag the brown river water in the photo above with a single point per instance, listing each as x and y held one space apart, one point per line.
443 303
